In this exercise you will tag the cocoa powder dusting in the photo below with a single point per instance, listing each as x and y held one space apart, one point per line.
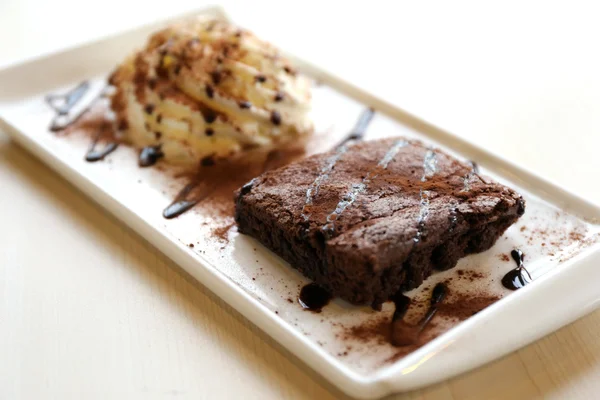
213 186
576 236
552 239
378 330
224 178
89 124
595 238
222 233
468 275
462 306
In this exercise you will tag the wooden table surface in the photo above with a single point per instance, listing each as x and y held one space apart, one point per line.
89 310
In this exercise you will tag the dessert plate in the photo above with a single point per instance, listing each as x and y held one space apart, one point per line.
480 321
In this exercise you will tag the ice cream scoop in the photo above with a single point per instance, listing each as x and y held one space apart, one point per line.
204 90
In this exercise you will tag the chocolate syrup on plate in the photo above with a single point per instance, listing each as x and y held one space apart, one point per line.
150 155
313 297
63 104
181 203
518 277
94 154
429 170
437 296
207 182
359 130
402 303
404 334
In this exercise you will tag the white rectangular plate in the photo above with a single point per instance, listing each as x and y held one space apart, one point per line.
557 233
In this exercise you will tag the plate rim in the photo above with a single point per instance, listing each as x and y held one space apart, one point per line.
388 379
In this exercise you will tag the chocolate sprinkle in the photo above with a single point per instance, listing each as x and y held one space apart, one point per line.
149 108
216 77
207 161
275 117
209 116
245 104
209 132
210 92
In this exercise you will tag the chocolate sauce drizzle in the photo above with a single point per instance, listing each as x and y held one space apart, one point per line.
429 170
247 188
360 129
357 133
323 175
474 171
402 302
313 297
423 214
350 197
93 154
63 104
467 178
453 215
181 203
429 165
518 277
150 156
184 201
404 334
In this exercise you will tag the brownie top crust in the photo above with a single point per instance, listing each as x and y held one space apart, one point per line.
373 203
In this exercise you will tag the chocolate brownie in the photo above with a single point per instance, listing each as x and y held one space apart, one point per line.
369 219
